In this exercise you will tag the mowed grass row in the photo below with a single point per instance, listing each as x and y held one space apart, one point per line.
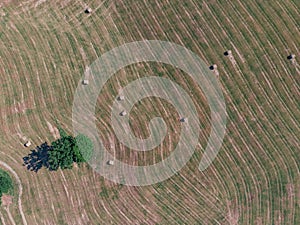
56 190
241 88
174 211
43 194
279 117
283 182
248 181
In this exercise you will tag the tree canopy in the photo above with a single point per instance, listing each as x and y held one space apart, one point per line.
68 149
62 153
6 183
84 148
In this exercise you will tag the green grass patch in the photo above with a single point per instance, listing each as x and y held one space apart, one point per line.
6 184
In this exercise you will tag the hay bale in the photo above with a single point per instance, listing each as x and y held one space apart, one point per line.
291 57
121 98
88 10
111 162
27 144
183 120
85 82
213 67
228 53
123 113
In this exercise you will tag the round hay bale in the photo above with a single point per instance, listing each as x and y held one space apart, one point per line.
213 67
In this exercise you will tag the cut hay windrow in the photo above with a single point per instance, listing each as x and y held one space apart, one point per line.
45 49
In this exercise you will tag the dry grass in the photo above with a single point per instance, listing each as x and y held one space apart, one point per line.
44 50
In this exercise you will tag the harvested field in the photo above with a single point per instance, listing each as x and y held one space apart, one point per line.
45 49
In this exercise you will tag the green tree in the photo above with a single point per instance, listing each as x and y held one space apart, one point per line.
68 149
62 153
83 150
62 132
6 183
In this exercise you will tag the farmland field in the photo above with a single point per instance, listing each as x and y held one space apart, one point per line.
45 48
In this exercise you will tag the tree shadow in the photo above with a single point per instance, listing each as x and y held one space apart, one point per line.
38 158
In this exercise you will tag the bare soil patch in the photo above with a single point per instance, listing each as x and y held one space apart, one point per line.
7 200
233 214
